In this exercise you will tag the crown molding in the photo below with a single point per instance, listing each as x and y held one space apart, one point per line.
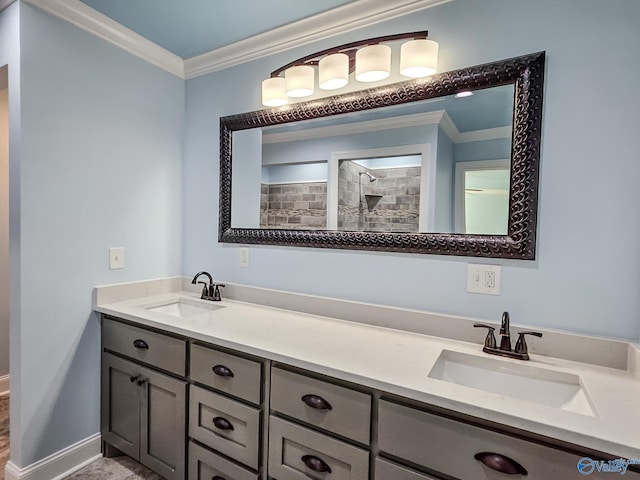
358 14
343 19
486 134
86 18
5 3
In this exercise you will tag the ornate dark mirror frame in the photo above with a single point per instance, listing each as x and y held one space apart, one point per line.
525 72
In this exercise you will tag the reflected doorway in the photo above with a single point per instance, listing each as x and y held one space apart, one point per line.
482 197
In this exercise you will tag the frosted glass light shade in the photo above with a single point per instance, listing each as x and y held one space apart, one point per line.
299 81
273 94
373 63
333 71
419 58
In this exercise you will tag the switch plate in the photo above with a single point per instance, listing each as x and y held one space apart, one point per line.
484 279
116 258
244 257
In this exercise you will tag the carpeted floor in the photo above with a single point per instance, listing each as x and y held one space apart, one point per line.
4 433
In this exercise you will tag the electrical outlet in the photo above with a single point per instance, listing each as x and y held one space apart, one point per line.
116 258
244 257
484 279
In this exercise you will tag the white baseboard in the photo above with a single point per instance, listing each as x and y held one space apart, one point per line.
60 464
4 385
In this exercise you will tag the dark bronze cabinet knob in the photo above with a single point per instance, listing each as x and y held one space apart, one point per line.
223 424
141 344
222 371
500 463
316 464
317 402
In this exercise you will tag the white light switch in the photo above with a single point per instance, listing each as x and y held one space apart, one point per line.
244 257
116 258
484 279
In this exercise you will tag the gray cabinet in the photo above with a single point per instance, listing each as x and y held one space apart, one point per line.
465 451
336 409
248 421
143 410
207 465
298 453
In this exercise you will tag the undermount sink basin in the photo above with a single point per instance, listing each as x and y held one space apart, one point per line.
523 381
182 307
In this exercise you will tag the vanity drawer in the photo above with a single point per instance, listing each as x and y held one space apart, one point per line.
228 373
337 409
225 425
290 446
449 446
390 471
206 465
162 351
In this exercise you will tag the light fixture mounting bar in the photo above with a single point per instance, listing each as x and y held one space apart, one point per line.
349 49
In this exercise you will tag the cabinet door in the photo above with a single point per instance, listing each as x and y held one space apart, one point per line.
162 424
121 404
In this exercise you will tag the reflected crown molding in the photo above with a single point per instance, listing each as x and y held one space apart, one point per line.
340 20
438 117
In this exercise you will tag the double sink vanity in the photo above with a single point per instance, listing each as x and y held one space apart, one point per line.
239 390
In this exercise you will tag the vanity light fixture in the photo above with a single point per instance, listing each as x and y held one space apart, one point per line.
370 60
466 93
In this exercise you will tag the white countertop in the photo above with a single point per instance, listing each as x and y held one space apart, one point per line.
399 362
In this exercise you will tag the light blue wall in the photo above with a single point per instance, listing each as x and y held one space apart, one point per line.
495 149
101 141
575 284
306 172
320 149
10 56
445 171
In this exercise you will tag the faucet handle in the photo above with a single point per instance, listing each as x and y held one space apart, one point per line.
490 340
521 344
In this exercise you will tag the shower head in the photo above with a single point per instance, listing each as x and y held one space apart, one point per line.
371 177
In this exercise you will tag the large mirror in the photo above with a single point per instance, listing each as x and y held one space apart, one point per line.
442 165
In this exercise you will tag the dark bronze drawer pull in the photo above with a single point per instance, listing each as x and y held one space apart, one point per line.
133 378
222 371
141 381
316 464
217 477
141 344
319 403
222 423
500 463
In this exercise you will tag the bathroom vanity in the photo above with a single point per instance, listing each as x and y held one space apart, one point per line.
236 391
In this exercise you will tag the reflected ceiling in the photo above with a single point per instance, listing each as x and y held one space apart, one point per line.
487 108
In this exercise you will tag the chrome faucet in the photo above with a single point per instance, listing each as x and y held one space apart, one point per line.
210 291
521 350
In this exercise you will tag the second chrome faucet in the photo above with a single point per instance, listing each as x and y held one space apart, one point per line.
490 346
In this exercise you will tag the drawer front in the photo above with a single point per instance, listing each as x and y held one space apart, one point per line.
390 471
228 373
162 351
206 465
297 453
336 409
449 446
225 425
